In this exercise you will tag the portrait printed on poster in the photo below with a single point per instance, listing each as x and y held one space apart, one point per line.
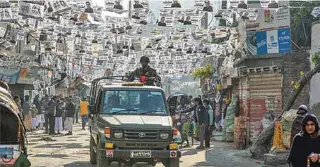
166 18
116 6
32 9
140 16
140 10
171 4
59 6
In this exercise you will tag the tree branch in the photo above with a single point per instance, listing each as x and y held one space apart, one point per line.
263 144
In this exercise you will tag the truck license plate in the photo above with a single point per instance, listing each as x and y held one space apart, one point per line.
140 154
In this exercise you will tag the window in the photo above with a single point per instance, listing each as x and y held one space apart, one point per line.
134 102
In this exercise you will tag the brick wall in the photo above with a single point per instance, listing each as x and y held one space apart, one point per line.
292 65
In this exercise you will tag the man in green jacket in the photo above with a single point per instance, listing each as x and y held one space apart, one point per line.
152 77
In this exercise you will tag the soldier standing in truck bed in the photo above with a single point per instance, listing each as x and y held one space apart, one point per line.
146 71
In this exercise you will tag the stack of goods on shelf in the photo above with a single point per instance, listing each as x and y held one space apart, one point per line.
241 132
287 120
229 120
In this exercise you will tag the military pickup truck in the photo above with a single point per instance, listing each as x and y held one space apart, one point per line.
130 123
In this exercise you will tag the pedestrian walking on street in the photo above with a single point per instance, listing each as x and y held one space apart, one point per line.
39 116
63 101
210 126
58 116
45 105
26 107
70 111
51 114
34 113
201 120
84 107
76 100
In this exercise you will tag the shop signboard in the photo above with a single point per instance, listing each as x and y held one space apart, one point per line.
9 74
268 42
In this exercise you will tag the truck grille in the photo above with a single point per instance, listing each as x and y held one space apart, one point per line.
141 135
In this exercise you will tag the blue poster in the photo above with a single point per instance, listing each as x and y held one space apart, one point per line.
9 74
261 39
284 40
268 41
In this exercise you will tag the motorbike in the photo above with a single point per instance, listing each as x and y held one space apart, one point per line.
13 150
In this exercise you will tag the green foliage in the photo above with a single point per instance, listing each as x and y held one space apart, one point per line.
301 21
315 58
203 73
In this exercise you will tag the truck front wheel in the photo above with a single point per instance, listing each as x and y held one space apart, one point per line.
102 161
93 154
172 163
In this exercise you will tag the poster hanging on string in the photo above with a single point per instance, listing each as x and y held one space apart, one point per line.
171 3
166 18
5 11
234 3
32 9
140 11
192 17
140 16
116 6
264 3
59 6
199 4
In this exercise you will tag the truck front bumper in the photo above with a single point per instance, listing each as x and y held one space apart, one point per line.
145 154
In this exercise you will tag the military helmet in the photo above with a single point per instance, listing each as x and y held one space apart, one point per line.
144 59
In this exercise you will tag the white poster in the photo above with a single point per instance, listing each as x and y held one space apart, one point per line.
59 6
166 18
32 9
199 4
234 3
167 3
272 41
5 11
264 3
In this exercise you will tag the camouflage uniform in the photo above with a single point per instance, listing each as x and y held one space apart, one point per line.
147 72
296 127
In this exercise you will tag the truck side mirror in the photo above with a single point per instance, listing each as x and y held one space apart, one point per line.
92 109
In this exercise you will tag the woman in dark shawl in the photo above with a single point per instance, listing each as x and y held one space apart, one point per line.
305 151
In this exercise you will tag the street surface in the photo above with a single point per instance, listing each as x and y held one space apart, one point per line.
73 151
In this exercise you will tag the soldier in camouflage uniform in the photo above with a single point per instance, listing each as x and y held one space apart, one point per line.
297 122
150 73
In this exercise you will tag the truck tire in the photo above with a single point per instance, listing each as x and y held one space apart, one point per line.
172 163
93 154
102 161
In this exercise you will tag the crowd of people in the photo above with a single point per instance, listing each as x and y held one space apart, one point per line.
195 115
53 114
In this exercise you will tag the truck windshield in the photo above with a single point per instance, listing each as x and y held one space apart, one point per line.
134 102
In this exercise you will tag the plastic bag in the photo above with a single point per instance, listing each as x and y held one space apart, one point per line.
178 138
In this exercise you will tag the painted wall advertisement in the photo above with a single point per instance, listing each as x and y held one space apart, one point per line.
268 42
9 74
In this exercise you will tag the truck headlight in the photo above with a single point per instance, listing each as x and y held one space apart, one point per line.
164 135
118 135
